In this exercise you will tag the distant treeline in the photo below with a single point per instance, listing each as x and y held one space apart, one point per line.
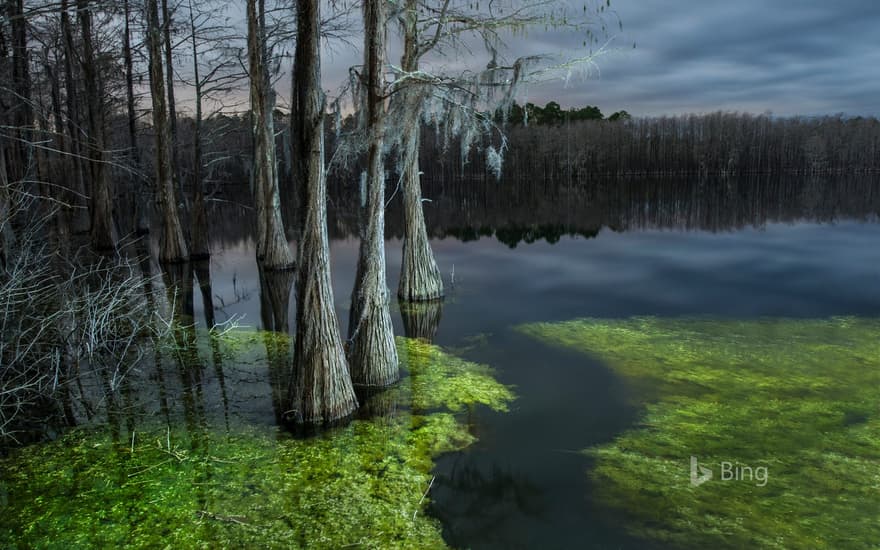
552 113
711 144
577 147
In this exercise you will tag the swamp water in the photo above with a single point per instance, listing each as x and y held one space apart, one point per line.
594 339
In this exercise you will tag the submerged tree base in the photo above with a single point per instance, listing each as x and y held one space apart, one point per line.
797 398
203 483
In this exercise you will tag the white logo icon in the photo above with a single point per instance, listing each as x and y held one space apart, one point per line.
699 474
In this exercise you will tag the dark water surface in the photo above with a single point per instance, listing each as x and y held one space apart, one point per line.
743 249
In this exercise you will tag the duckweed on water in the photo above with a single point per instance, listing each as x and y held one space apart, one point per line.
798 397
200 486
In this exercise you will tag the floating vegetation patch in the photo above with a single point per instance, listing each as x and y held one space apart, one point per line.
196 484
785 414
442 381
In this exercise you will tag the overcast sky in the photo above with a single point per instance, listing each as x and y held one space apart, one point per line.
786 56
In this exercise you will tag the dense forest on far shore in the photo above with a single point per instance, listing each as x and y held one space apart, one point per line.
577 147
706 144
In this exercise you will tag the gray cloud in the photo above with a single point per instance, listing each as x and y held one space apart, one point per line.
788 57
803 57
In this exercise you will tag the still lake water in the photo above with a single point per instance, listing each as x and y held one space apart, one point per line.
699 253
740 249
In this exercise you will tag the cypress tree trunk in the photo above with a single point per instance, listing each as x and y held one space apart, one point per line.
103 232
420 278
272 248
275 289
199 232
56 171
20 115
172 246
321 389
7 237
373 354
172 105
141 199
79 223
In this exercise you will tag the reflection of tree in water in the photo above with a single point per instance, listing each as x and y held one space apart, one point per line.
472 504
275 287
381 402
202 271
528 211
421 319
190 367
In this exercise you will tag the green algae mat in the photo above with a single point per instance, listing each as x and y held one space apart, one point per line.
755 434
197 485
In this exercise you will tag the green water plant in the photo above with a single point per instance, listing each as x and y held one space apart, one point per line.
198 484
783 412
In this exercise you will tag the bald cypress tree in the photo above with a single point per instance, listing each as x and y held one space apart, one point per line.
373 355
172 246
272 248
322 391
458 100
420 277
103 231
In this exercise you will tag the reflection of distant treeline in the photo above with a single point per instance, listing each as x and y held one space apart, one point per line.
712 144
527 211
530 210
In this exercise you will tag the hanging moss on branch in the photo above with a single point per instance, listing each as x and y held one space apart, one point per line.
797 397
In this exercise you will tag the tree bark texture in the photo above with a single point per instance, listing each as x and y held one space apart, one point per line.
172 105
199 248
103 232
141 198
19 111
420 278
275 289
272 248
372 352
80 222
7 237
321 391
172 246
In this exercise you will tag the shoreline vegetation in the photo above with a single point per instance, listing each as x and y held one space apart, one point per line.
796 397
215 477
710 144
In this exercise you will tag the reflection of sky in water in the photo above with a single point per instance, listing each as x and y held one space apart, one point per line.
784 270
522 484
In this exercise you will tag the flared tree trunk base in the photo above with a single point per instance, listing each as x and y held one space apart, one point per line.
326 396
373 353
420 279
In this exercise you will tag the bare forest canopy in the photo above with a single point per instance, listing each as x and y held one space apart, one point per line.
707 144
710 144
